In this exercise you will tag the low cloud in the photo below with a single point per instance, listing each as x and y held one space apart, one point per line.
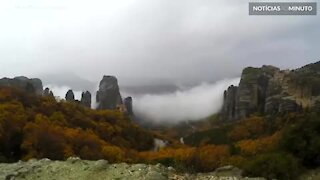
188 104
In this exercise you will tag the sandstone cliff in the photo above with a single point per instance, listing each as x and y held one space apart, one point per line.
48 92
86 99
269 90
128 105
70 96
108 95
33 85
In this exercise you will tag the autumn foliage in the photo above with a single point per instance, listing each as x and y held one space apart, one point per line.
40 127
258 146
250 128
205 158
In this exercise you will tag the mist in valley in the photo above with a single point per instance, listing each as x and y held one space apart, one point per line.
189 104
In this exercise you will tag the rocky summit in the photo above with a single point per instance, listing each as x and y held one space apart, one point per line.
48 92
269 90
77 169
33 85
108 95
128 105
70 96
86 99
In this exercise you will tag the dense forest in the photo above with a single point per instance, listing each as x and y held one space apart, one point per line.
32 126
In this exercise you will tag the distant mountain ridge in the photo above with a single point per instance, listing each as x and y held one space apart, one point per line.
269 90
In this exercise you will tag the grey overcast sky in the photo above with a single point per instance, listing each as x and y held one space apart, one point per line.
149 41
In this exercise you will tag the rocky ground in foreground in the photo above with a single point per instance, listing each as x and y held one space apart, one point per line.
77 169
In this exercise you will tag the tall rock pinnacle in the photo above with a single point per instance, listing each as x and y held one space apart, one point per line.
48 92
70 96
108 95
128 105
86 99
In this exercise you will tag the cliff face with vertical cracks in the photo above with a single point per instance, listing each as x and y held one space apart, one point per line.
108 95
269 90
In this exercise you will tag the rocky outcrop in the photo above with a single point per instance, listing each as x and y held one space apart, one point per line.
33 85
86 99
48 92
108 95
70 96
75 168
128 105
269 90
229 105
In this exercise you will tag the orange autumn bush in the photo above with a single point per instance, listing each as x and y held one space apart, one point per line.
251 127
256 146
211 157
205 158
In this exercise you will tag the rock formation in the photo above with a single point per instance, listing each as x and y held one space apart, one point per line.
128 105
86 99
229 98
33 85
70 96
108 95
75 168
48 92
269 90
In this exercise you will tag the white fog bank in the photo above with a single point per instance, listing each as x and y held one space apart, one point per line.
190 104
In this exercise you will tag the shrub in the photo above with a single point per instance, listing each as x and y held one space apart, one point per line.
274 165
210 157
303 140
